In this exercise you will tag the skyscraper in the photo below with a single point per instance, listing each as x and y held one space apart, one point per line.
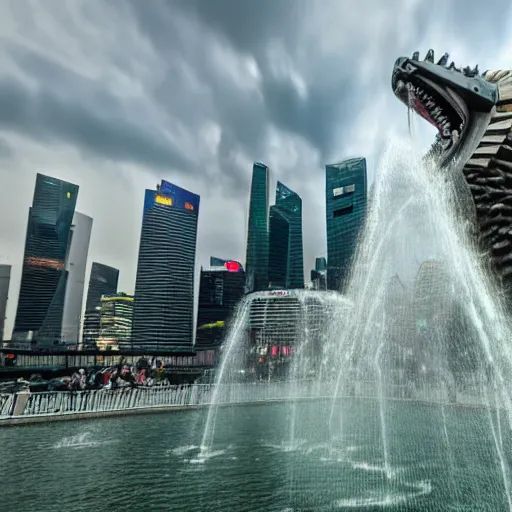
102 281
163 313
76 262
5 278
221 288
43 280
346 197
286 260
256 262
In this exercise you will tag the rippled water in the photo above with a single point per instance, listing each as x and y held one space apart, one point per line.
153 463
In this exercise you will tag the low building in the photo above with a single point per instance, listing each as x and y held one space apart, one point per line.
116 316
221 288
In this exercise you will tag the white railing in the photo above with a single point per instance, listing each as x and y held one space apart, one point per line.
25 404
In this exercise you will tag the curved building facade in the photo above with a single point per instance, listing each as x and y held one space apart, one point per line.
76 263
163 313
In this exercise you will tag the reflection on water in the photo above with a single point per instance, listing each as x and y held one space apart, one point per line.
155 463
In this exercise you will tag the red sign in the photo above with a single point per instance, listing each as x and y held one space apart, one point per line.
232 266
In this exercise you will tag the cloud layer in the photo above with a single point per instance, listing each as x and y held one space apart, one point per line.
114 96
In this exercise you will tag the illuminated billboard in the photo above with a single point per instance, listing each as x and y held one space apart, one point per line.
163 200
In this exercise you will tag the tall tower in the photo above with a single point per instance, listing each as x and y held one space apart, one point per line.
102 281
286 257
345 197
43 280
163 313
5 278
76 262
257 233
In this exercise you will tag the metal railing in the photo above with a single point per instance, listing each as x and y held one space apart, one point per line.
26 404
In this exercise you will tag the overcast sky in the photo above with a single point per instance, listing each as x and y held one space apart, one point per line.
116 95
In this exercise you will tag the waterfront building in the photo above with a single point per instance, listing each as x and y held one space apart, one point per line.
277 319
256 262
346 201
163 313
116 315
43 280
102 281
319 274
76 262
5 278
221 288
286 258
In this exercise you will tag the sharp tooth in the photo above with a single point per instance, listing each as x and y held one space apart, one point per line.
455 136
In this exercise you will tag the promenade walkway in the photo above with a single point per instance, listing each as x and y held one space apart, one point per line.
25 407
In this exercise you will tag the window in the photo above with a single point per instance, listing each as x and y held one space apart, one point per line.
343 211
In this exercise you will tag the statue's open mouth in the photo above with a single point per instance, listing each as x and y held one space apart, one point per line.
441 107
447 97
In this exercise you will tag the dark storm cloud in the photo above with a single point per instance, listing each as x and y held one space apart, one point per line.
71 108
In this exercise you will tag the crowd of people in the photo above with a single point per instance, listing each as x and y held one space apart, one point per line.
144 373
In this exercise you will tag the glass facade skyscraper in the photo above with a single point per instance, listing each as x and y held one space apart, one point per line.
163 314
346 201
102 281
286 259
221 287
256 262
44 276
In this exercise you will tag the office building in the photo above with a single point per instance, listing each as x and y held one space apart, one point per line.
5 278
116 315
319 274
163 313
256 262
76 262
102 281
91 327
43 281
221 288
346 198
275 330
286 259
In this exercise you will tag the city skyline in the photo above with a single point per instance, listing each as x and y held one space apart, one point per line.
113 120
79 252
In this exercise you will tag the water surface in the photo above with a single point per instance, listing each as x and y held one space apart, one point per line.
439 458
